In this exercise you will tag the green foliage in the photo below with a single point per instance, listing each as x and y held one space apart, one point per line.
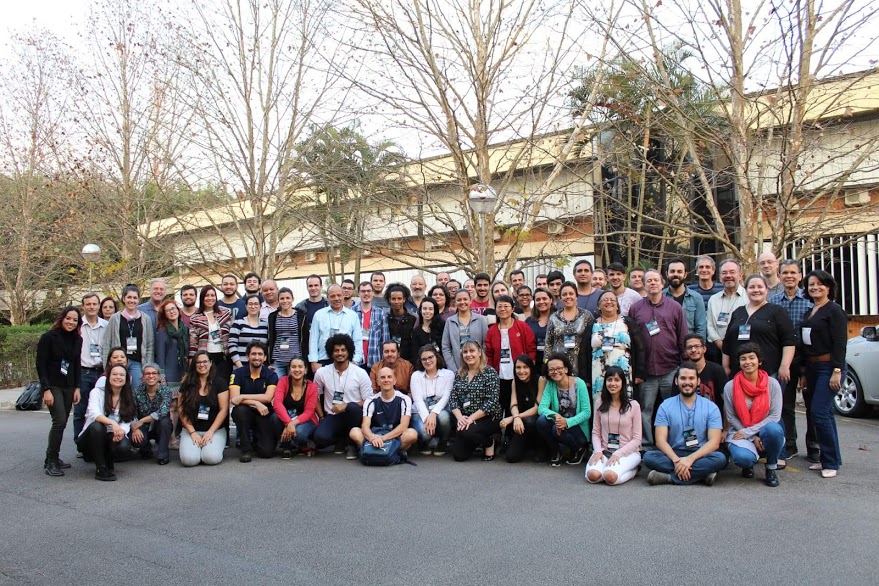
18 350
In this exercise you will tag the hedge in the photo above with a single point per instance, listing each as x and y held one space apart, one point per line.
18 350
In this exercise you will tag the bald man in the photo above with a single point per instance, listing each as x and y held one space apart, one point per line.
386 416
769 269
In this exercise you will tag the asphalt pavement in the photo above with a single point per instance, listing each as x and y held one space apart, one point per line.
329 521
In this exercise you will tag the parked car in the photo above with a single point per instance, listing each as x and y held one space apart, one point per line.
860 388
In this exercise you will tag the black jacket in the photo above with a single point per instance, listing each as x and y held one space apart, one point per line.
53 347
301 316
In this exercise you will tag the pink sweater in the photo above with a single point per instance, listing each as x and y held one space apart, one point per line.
627 425
281 392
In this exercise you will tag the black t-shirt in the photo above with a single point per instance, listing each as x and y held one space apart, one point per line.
209 405
253 386
680 299
311 307
131 328
771 329
712 379
291 404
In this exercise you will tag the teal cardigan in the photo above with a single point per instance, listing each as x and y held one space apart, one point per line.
549 405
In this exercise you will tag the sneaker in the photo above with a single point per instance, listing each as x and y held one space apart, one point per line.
556 460
440 449
656 477
104 474
287 455
792 452
577 457
709 480
245 457
340 448
79 455
62 464
813 455
748 472
771 478
351 453
432 444
52 468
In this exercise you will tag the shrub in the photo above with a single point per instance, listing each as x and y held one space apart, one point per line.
18 352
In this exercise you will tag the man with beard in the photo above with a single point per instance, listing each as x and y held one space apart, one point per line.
251 390
230 299
188 296
692 303
688 433
348 293
587 294
722 305
252 283
482 286
626 297
417 289
712 377
377 279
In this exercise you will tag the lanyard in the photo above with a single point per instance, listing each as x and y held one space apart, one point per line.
691 414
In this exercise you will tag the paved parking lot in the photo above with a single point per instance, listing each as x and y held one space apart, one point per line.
329 521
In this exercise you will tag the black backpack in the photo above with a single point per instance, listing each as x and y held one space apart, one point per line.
31 398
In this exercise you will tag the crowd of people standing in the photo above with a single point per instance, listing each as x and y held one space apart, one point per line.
613 370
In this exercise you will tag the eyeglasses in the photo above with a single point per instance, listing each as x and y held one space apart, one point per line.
428 358
151 373
695 347
202 362
557 369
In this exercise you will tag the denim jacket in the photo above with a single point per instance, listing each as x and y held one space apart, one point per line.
694 309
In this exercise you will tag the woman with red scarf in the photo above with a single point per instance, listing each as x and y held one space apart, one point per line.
753 412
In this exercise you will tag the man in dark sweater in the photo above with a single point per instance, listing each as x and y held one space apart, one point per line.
712 378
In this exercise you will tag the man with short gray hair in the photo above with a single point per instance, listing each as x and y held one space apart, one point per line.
158 288
721 305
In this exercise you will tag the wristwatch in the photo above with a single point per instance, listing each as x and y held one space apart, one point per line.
837 370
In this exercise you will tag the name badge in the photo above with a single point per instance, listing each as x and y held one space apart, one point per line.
95 350
466 404
214 335
365 333
430 401
613 441
652 328
64 366
606 344
204 412
283 343
541 344
464 340
337 398
690 439
505 356
723 317
807 336
130 345
745 332
570 341
291 413
396 339
333 332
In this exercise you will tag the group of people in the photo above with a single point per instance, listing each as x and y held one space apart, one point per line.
611 368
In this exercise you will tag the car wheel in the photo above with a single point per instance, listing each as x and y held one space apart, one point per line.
849 400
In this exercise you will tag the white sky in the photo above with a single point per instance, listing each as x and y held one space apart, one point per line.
60 16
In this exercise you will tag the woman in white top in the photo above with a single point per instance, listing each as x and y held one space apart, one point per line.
104 437
431 386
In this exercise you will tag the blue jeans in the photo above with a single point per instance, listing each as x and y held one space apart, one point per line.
818 382
87 379
335 426
281 368
443 425
303 433
135 370
157 430
772 435
573 437
660 385
712 462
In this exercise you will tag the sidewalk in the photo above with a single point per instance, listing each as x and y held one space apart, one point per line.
8 397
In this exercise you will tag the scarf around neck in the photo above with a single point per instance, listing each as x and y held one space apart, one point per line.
759 392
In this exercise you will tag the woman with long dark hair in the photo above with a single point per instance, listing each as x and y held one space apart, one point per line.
539 320
521 425
58 353
111 410
209 330
295 410
132 330
823 339
564 331
429 326
204 411
443 299
616 431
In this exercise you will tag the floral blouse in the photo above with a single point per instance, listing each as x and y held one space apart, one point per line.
564 336
611 346
158 407
480 393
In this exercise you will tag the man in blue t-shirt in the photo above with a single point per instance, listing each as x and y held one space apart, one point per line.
688 433
251 390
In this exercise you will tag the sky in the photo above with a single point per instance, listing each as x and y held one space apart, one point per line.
60 16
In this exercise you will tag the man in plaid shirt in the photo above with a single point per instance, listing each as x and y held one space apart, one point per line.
374 322
796 304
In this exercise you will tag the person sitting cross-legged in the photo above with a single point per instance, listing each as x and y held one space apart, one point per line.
752 400
688 432
386 416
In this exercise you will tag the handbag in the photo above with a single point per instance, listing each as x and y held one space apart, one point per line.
31 398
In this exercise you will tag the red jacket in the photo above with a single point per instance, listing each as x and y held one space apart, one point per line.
283 389
522 341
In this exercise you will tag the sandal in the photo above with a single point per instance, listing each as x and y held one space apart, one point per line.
782 464
828 473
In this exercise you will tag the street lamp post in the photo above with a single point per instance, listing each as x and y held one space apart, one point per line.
482 199
91 253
